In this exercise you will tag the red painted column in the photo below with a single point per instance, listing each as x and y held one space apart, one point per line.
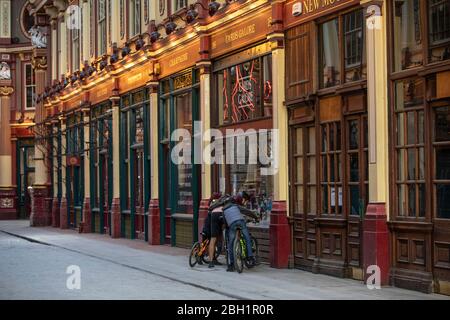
55 213
63 218
280 237
39 207
376 241
154 226
86 226
115 218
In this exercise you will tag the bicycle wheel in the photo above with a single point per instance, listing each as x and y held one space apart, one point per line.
193 257
237 252
255 250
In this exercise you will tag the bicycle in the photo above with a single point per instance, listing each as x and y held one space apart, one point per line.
199 252
240 250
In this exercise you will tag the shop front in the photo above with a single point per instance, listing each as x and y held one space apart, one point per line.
242 107
241 110
75 153
101 171
179 180
134 163
420 148
328 145
25 175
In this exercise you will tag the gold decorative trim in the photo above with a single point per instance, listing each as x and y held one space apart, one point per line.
6 91
39 63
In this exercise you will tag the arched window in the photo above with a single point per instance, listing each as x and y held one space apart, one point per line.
27 21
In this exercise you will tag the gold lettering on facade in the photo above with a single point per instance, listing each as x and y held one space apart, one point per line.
135 78
182 81
102 93
179 59
312 5
241 33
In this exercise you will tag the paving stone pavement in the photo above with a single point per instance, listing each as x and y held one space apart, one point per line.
33 263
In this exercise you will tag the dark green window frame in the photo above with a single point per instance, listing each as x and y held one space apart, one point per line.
100 148
130 103
168 90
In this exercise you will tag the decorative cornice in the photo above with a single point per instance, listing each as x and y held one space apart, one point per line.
6 91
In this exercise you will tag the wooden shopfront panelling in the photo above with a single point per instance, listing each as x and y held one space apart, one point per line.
299 53
242 33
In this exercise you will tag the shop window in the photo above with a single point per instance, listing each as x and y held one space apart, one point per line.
348 30
331 168
439 29
125 173
101 31
244 91
410 152
442 161
30 86
330 69
304 159
94 158
244 174
354 45
407 35
357 152
135 17
179 100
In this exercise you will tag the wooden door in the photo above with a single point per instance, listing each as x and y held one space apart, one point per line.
356 191
303 188
441 195
138 193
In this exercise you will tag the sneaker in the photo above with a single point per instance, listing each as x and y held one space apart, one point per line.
216 263
211 265
230 268
251 261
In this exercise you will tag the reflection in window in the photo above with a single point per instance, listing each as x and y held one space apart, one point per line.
442 152
354 45
245 91
135 17
245 173
330 58
439 29
184 195
180 4
410 146
331 162
101 45
30 86
407 35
